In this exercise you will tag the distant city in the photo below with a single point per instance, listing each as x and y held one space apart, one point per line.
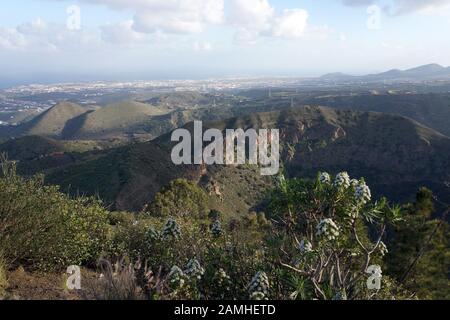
21 103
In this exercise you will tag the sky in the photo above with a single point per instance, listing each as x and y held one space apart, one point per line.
84 40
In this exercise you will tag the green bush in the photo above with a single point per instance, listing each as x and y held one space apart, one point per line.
317 242
3 277
128 240
323 230
419 254
237 255
180 198
214 214
42 228
121 218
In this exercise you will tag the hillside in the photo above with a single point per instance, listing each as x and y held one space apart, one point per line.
115 119
160 125
421 73
139 120
126 177
395 154
30 147
70 121
428 71
52 122
182 99
41 154
431 110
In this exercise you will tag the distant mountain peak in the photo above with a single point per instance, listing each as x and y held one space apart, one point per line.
428 67
51 123
427 71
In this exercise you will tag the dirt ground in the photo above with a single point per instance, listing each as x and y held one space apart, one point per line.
23 285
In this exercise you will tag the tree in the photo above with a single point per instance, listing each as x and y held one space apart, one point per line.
419 250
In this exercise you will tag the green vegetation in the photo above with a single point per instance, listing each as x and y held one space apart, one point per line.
394 154
3 277
419 256
71 121
431 109
30 148
52 122
116 119
45 229
136 118
227 232
323 233
180 198
236 190
316 241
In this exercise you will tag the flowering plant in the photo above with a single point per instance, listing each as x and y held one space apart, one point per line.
333 219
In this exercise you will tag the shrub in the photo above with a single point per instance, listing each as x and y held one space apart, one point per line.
323 231
180 198
121 218
3 277
43 228
419 255
214 214
127 240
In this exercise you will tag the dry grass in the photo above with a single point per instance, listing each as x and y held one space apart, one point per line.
117 281
23 285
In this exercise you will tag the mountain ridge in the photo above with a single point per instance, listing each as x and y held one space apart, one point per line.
425 72
394 153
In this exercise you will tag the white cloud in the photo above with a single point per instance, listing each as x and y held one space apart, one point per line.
399 7
11 39
291 24
257 18
251 18
354 3
251 14
34 27
430 6
39 35
171 16
122 33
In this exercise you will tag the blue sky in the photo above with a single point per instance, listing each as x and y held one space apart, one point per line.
41 40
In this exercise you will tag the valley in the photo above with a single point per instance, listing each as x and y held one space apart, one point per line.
182 153
395 154
116 149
